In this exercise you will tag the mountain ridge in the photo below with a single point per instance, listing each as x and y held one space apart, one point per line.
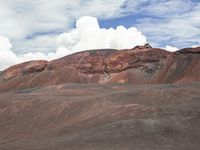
139 65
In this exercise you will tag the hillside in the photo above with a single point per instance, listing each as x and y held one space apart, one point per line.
140 65
101 117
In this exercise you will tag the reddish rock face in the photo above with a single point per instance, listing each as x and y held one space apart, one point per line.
100 61
190 50
25 69
92 61
133 58
142 64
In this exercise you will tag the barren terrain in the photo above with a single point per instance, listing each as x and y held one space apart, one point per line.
101 117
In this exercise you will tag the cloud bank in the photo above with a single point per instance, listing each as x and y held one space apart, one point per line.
171 22
8 57
30 23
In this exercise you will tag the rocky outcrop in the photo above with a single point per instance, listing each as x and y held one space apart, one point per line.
24 69
139 65
195 50
100 61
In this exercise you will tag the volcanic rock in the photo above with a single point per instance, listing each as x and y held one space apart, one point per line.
139 65
195 50
24 69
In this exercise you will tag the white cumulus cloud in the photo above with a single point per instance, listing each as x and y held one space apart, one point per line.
89 35
7 57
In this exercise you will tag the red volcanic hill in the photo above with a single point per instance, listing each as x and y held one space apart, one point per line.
142 64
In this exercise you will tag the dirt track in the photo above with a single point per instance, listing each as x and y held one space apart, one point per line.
101 117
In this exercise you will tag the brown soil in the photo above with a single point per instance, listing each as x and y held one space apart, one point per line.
101 117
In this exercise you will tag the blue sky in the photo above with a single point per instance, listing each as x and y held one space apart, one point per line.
159 25
33 27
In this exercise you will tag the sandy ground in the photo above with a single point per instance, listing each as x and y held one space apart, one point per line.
101 117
